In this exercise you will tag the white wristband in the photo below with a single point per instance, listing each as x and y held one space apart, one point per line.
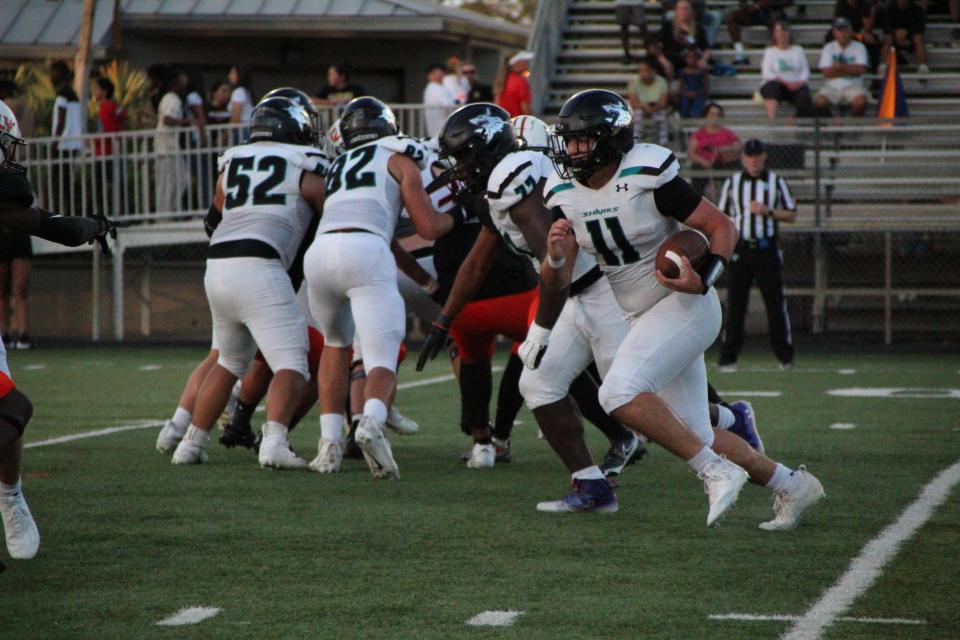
431 287
538 334
556 264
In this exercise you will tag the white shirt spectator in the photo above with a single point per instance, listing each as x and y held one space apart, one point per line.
73 126
457 86
855 53
437 97
789 65
165 140
242 97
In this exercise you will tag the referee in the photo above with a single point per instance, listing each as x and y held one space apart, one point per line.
758 200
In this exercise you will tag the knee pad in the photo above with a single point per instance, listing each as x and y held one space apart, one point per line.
235 366
16 409
619 389
539 389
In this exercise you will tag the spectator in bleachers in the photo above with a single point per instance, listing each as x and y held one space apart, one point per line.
199 164
713 147
339 89
649 95
170 166
631 12
710 20
843 62
904 24
753 13
661 64
66 129
110 119
477 92
157 79
218 109
241 99
682 33
437 101
454 82
694 85
862 15
785 74
511 89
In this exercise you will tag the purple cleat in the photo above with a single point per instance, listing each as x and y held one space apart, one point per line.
587 495
745 424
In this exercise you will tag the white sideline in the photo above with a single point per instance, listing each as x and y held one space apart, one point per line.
139 424
756 617
866 567
752 394
189 615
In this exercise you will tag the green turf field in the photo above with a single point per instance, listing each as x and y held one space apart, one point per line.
129 539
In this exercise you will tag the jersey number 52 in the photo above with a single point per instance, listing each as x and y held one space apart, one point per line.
238 181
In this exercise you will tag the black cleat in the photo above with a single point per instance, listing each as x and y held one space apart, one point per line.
237 436
622 454
351 449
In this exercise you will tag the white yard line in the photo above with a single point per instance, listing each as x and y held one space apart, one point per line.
189 615
843 426
437 380
867 567
494 618
139 424
752 394
756 617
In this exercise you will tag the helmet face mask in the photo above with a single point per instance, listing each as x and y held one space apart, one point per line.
476 137
8 149
595 113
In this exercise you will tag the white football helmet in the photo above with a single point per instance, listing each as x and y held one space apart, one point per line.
532 133
333 142
9 136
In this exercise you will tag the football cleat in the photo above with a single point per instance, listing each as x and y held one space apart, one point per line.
23 538
482 456
329 457
745 424
228 411
623 453
504 452
350 449
401 424
789 507
189 451
236 435
587 495
275 450
169 437
376 448
722 482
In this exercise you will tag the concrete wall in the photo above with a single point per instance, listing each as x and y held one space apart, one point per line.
393 69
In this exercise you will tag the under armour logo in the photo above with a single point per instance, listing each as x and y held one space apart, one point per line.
621 188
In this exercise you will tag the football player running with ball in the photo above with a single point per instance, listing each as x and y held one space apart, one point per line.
268 192
352 274
620 201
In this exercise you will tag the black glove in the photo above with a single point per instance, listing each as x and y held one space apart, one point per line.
108 227
436 340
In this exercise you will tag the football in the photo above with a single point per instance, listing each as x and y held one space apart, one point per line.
689 243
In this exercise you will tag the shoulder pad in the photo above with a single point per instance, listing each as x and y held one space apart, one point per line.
310 159
514 178
405 145
649 165
14 187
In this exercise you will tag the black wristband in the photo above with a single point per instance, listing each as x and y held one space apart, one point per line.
443 321
712 271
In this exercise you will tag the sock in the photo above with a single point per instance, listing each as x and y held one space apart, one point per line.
782 481
738 47
375 409
331 426
275 430
181 418
700 461
725 417
10 490
590 473
197 436
509 399
243 413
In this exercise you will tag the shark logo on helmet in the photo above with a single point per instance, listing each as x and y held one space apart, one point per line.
621 116
490 125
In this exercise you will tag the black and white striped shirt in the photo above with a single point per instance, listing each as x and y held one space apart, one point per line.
740 189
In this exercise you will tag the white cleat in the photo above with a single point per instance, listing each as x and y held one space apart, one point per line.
23 538
329 457
722 481
482 456
376 448
170 436
231 407
789 507
275 450
190 451
401 424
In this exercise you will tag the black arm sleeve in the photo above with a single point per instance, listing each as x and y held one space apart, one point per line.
676 199
212 220
70 231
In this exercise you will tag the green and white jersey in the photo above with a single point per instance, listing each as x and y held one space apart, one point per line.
513 179
620 225
361 193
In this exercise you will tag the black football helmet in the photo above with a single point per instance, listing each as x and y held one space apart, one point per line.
476 137
281 120
304 101
600 114
365 119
